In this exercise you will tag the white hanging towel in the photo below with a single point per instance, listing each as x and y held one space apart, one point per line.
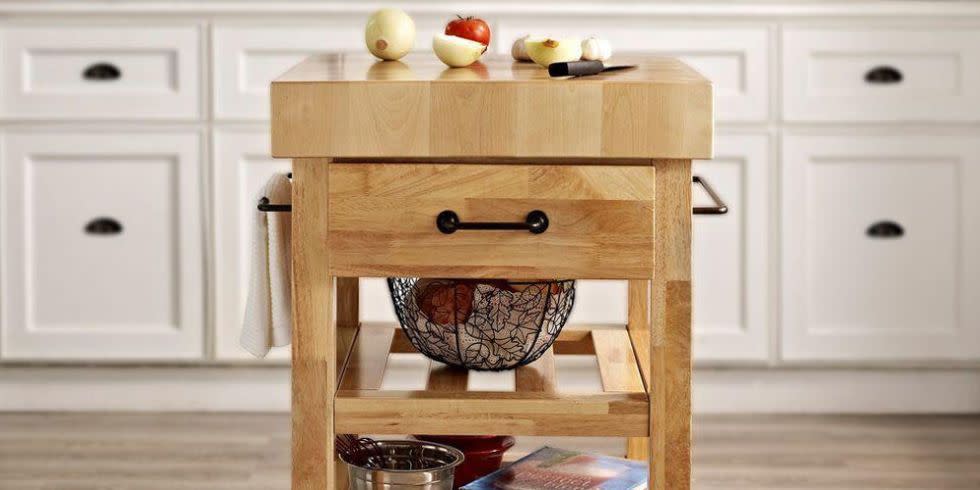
268 312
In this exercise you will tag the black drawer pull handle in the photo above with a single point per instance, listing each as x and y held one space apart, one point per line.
719 208
885 229
448 222
103 226
883 75
102 72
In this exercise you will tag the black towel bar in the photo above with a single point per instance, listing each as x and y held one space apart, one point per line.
719 208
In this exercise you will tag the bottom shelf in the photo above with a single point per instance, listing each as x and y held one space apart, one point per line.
535 407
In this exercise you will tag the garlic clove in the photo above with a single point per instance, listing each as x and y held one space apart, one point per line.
518 51
596 49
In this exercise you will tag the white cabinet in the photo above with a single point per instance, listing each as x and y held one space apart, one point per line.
102 246
881 75
101 72
735 59
730 253
880 235
242 165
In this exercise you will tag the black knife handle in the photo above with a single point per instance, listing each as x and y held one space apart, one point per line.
575 68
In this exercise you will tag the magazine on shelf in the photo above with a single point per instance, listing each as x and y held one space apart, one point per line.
549 468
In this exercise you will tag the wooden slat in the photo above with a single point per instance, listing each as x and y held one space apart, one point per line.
400 344
617 364
525 413
382 220
579 346
538 377
366 367
443 378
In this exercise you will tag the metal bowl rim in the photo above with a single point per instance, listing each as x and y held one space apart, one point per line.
455 452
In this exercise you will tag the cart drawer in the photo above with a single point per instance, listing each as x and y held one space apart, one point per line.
383 220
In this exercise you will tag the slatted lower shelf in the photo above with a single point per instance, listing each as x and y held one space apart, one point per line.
535 407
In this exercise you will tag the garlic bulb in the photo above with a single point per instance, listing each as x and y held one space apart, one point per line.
518 51
596 49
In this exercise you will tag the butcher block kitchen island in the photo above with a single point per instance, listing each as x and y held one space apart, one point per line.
380 149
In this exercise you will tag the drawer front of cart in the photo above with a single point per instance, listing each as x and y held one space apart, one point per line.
508 221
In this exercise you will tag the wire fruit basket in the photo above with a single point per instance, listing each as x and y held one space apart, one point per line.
485 325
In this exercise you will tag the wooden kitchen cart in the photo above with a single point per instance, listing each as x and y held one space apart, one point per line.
380 148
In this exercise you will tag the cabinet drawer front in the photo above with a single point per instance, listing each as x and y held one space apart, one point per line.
735 59
247 59
881 75
103 246
106 72
382 221
879 242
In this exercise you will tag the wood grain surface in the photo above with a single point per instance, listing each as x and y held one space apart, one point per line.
670 334
226 451
535 407
315 347
382 220
341 105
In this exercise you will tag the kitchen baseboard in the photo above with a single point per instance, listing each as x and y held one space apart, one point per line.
265 389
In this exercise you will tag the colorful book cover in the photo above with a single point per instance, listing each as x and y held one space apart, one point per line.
557 469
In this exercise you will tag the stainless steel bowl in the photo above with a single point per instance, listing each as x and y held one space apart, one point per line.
409 465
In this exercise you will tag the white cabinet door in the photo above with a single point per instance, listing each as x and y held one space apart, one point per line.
102 245
101 72
735 59
242 165
880 240
881 75
730 253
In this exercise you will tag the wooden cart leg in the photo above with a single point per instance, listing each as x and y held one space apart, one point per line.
314 370
348 322
638 324
670 340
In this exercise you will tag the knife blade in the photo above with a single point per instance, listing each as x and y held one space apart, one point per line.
582 68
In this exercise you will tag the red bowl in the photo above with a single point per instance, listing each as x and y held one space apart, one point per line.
483 454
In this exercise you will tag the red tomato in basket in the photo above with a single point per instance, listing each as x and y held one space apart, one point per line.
470 28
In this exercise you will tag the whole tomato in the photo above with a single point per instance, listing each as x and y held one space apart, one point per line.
470 28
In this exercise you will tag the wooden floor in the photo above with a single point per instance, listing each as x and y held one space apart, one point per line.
250 452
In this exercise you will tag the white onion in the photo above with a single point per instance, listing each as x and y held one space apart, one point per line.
389 34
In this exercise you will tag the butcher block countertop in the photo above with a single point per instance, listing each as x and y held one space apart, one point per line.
353 106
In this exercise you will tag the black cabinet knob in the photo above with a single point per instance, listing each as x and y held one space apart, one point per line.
101 72
885 229
103 226
881 75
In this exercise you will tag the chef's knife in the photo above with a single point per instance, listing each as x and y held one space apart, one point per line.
582 68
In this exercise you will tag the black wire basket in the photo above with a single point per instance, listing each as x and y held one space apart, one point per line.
486 325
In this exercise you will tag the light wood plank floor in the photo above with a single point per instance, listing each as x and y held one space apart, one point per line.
250 452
